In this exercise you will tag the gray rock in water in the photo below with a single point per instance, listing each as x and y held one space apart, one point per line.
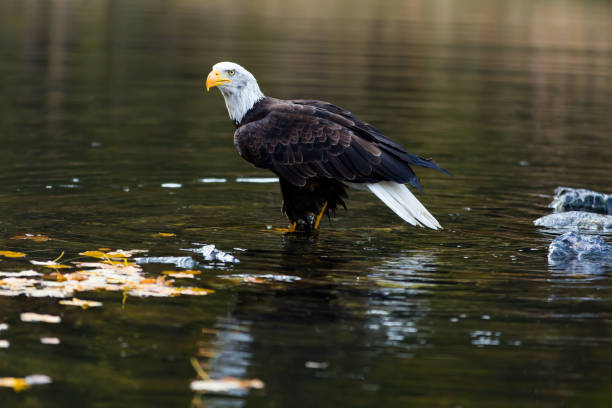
576 247
580 199
576 221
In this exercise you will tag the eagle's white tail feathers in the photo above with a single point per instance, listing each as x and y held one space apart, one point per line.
399 199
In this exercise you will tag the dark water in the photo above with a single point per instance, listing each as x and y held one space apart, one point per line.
102 102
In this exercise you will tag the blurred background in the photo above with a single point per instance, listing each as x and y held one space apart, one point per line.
102 103
483 80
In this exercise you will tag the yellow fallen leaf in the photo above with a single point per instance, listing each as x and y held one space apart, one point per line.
104 249
11 254
20 384
252 279
192 291
57 266
94 254
59 277
81 303
32 237
189 271
98 274
181 274
77 276
117 255
50 264
164 234
160 280
122 253
17 384
121 263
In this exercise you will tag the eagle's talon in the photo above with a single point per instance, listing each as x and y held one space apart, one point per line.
292 228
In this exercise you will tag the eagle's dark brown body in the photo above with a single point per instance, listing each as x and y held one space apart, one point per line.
315 147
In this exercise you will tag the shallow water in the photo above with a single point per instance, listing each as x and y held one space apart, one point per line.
107 134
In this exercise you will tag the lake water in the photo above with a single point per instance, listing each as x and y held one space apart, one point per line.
106 133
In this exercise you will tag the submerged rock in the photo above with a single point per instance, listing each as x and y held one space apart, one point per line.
180 261
572 246
580 199
210 253
576 221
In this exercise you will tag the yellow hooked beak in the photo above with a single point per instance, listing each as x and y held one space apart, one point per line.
216 78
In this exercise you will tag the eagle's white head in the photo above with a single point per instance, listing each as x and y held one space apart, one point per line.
238 86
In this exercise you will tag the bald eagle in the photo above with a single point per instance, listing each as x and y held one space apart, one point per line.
318 149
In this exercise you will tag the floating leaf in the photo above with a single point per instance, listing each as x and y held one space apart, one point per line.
252 279
58 266
50 264
104 274
192 291
316 364
118 254
36 317
81 303
20 384
225 384
123 263
77 276
32 237
181 274
164 234
20 274
159 279
17 384
94 254
11 254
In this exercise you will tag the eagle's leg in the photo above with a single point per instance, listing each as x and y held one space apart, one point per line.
306 205
318 220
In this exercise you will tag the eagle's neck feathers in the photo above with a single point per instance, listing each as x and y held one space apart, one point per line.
240 100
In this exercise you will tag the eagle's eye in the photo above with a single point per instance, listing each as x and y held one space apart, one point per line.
231 72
